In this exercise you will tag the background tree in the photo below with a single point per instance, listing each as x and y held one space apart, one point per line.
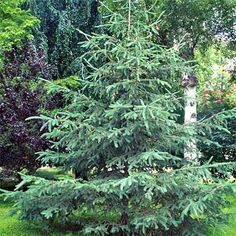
54 40
15 24
200 22
217 92
58 35
122 129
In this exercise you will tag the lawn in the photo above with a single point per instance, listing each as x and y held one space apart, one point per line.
230 229
11 226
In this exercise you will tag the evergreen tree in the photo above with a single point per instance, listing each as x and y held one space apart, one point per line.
58 35
121 137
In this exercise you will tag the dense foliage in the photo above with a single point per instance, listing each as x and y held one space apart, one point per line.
16 101
15 24
217 92
58 35
21 92
20 98
121 137
194 22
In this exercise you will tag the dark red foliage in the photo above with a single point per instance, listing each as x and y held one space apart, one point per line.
20 97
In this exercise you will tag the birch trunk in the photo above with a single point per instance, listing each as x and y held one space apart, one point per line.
189 82
190 116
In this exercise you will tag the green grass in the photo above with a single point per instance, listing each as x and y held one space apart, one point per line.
11 226
230 229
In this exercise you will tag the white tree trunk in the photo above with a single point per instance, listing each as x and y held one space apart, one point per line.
190 116
189 83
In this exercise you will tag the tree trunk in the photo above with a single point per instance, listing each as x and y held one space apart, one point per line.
189 82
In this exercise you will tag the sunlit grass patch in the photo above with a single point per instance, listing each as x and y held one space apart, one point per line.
230 228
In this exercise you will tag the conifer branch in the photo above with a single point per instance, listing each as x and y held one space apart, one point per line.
129 18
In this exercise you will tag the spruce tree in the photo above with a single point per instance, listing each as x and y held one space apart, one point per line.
121 135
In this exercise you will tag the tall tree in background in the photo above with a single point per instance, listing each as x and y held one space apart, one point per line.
58 35
121 129
199 22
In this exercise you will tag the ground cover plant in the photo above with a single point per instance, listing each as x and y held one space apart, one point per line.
122 139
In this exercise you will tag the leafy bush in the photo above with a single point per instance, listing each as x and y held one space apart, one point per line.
20 97
15 25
